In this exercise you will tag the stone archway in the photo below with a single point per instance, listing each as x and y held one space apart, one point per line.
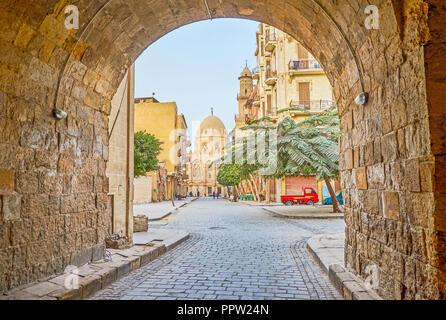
52 174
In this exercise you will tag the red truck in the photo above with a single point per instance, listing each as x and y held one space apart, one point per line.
309 197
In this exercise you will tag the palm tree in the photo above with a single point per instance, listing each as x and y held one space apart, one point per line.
310 147
307 147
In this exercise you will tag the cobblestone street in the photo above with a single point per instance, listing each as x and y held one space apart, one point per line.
234 252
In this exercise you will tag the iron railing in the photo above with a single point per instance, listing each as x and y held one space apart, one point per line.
311 104
304 64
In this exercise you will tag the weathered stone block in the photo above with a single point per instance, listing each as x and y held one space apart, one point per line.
361 178
401 142
390 205
98 252
54 30
11 207
356 157
348 159
368 201
369 158
413 175
398 176
422 209
140 223
24 36
386 119
399 116
427 176
43 289
377 150
7 178
389 147
82 257
65 163
376 176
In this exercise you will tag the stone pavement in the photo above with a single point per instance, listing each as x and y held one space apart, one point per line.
95 276
159 210
234 252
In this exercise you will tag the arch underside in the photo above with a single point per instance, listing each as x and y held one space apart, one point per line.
388 167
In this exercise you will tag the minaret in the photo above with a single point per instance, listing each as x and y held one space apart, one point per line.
246 88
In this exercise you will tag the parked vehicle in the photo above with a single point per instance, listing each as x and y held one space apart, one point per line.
339 197
309 197
247 197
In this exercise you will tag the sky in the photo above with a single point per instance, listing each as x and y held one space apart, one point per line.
197 66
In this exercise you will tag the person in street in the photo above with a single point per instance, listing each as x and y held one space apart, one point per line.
213 194
198 194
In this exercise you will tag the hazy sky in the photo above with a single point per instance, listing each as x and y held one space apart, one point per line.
198 66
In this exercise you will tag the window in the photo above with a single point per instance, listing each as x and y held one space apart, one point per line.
304 95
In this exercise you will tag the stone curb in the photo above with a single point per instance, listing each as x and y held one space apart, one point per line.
306 216
177 242
172 211
318 259
347 284
93 276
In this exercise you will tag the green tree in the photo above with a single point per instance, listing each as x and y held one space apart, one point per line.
229 175
307 147
310 147
147 150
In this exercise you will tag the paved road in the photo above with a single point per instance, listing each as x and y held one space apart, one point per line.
235 252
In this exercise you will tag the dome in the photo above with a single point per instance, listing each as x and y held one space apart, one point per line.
212 122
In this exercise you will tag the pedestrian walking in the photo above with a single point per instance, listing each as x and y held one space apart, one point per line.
213 194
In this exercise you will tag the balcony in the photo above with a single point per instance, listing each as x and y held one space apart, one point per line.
270 77
311 105
270 41
306 66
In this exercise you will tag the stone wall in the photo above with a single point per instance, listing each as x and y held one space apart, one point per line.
143 189
53 188
120 163
388 170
